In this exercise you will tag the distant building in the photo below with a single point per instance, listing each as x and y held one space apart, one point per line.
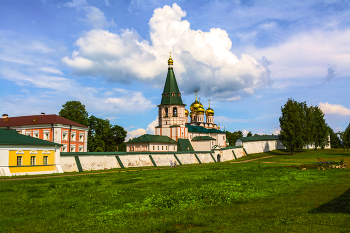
25 155
201 133
53 128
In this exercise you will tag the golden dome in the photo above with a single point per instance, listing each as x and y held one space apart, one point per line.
200 110
191 113
186 112
170 61
209 111
195 104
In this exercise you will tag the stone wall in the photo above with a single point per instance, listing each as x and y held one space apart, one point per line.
87 161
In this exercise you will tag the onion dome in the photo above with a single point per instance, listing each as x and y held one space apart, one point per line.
195 104
170 61
186 112
191 113
200 110
209 111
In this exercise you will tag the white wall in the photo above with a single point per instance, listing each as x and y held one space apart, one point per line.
262 146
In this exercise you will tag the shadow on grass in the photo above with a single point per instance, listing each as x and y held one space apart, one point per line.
340 204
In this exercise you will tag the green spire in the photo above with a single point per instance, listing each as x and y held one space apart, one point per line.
171 93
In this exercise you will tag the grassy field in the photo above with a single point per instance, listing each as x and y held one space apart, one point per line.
252 196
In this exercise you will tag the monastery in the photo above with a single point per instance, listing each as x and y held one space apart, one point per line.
174 131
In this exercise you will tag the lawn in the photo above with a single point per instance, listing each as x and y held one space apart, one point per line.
221 197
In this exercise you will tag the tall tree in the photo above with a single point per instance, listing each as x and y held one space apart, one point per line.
291 124
345 136
75 111
232 137
320 137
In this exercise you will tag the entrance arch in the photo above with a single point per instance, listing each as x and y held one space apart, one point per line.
218 158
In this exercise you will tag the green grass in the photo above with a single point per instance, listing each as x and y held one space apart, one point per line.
222 197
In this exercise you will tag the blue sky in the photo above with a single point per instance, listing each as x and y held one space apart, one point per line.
247 57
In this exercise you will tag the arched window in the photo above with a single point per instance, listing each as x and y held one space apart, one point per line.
175 112
166 112
166 95
173 94
179 94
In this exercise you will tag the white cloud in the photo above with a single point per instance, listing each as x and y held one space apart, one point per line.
202 60
309 55
276 131
245 132
94 16
334 109
138 132
51 70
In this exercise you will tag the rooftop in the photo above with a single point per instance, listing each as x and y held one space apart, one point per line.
152 138
200 129
12 137
37 120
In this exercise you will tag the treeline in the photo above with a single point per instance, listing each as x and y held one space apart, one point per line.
102 135
303 125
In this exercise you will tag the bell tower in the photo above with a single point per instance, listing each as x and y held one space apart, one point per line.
171 111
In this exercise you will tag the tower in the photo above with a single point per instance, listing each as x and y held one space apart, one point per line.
171 111
209 116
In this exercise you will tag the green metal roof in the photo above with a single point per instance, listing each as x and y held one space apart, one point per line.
152 138
200 129
199 138
169 88
184 145
12 137
259 138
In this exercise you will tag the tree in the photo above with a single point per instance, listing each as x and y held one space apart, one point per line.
291 124
320 136
232 137
345 137
249 134
75 111
104 136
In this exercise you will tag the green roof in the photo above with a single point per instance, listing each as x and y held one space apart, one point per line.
152 138
202 138
12 137
169 88
200 129
259 138
184 145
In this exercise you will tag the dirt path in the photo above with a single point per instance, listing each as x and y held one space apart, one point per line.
245 161
84 174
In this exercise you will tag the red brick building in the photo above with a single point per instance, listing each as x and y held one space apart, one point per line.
54 128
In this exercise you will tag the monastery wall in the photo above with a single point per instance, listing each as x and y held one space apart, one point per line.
88 161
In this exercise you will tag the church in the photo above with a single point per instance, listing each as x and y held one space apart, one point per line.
174 131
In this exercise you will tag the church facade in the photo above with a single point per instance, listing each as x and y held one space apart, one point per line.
174 131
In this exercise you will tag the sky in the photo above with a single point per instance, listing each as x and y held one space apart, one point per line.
247 57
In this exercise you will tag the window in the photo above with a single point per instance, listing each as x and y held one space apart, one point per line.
46 135
65 135
81 148
190 136
153 147
223 137
162 147
166 147
45 159
166 95
19 160
73 136
64 148
175 112
72 148
174 147
81 137
36 134
32 160
166 112
29 133
158 147
179 94
173 94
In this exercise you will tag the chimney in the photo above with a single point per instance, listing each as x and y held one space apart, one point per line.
42 113
5 116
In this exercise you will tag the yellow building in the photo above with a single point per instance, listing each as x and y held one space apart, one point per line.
25 155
